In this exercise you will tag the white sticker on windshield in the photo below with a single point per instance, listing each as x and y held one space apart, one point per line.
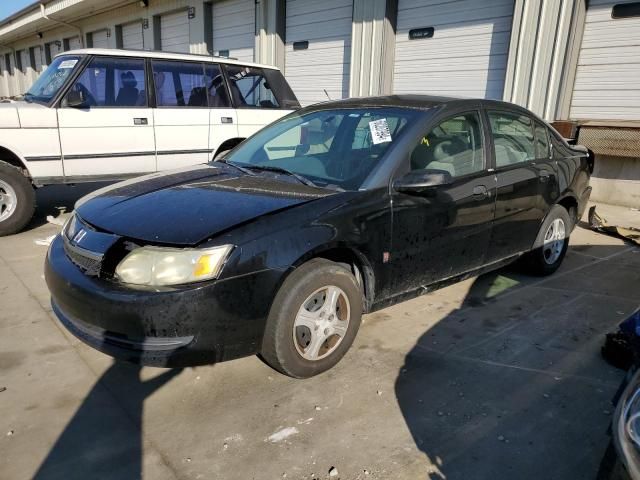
68 63
380 131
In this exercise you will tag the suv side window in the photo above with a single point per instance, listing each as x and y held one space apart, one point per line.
249 88
542 141
455 145
216 86
179 84
113 82
512 138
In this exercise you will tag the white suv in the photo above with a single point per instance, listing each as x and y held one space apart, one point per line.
112 114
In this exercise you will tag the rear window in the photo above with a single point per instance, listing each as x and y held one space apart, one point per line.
259 88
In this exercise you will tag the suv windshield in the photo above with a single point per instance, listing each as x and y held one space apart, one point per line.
335 148
52 79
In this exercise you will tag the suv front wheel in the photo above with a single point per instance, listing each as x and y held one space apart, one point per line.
17 199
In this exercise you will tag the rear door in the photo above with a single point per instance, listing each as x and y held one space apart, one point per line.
444 231
252 95
223 119
113 135
526 180
181 114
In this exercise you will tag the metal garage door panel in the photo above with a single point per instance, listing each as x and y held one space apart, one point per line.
4 77
467 55
607 83
38 57
234 28
174 32
100 39
325 64
132 37
74 43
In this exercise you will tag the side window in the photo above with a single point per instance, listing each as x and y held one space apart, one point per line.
113 82
179 84
542 141
216 87
512 138
249 87
454 145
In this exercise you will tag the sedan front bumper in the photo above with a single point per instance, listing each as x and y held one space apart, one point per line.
169 326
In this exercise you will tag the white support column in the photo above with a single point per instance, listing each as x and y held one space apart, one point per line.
372 47
541 64
270 32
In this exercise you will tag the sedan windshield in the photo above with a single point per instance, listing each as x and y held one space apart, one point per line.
52 79
336 148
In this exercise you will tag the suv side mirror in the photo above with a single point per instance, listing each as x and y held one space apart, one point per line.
420 181
75 99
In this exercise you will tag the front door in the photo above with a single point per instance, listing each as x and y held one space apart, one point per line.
444 231
525 182
111 134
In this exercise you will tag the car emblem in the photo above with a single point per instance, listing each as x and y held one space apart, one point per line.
79 236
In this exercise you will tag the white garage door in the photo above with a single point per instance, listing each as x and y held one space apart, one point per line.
25 70
234 28
318 48
100 39
607 84
4 85
132 37
37 56
54 49
74 43
174 32
467 55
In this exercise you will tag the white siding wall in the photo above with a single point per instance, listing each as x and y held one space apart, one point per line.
325 64
607 83
467 56
234 26
132 36
174 32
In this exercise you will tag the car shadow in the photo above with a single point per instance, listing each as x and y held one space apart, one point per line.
103 439
511 383
54 200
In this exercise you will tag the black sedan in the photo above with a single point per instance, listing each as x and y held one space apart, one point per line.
336 210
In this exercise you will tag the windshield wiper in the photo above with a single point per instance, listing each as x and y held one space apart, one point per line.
271 168
238 167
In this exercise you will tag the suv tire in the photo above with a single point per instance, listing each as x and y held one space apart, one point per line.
17 199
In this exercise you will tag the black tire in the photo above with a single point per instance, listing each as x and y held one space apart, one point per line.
279 347
536 262
25 199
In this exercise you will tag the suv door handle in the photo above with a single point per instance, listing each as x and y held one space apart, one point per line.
480 192
226 119
141 121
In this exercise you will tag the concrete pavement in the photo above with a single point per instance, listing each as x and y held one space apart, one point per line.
495 377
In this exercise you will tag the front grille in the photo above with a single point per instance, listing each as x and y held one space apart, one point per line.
90 264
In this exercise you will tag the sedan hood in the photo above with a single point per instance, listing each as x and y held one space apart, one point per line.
188 206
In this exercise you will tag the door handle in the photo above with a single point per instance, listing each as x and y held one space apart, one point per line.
226 119
140 121
480 192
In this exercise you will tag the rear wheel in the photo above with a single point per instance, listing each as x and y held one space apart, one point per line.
551 244
313 320
17 200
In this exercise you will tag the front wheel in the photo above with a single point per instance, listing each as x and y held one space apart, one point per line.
17 200
313 320
551 244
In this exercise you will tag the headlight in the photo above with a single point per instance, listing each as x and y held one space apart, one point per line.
627 427
170 266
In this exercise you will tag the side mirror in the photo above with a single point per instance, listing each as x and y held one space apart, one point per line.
420 181
75 99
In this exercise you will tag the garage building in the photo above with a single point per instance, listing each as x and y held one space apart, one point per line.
569 60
